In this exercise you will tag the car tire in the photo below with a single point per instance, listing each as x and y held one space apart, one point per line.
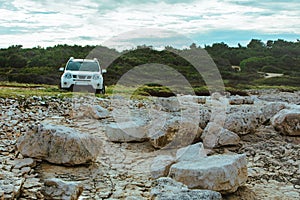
103 89
98 91
71 88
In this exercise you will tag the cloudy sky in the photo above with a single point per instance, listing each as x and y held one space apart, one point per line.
153 22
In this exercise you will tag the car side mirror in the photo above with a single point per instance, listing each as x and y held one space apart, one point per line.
61 69
104 71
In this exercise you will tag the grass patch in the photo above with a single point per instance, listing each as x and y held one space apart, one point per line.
16 90
284 81
154 90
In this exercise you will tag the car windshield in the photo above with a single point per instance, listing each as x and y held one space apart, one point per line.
83 66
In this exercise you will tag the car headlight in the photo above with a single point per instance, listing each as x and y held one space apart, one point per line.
96 76
68 75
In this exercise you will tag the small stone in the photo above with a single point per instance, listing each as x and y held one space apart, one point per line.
191 153
32 182
58 189
25 170
19 163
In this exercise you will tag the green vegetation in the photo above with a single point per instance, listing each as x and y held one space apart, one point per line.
23 90
40 65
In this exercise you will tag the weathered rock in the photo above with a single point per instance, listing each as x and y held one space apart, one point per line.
176 133
126 132
191 99
59 189
32 182
289 97
242 119
160 166
26 162
170 104
222 173
270 109
243 193
168 189
287 121
204 115
10 185
59 144
215 136
191 153
97 112
238 100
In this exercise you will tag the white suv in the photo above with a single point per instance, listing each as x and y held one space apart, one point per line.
82 72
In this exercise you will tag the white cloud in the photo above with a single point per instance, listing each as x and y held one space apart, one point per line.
94 22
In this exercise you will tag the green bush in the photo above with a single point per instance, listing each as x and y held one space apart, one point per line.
280 81
33 78
157 91
38 70
271 69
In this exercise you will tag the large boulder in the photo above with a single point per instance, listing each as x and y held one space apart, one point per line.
59 145
168 189
287 121
58 189
222 173
126 132
215 135
175 133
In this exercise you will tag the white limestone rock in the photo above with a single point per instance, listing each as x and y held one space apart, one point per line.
222 173
59 145
215 135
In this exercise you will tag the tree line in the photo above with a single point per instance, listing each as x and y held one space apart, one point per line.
241 65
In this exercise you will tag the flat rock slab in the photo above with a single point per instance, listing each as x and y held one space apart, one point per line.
26 162
59 145
126 132
168 189
222 173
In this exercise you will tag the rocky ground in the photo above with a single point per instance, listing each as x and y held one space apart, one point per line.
123 168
